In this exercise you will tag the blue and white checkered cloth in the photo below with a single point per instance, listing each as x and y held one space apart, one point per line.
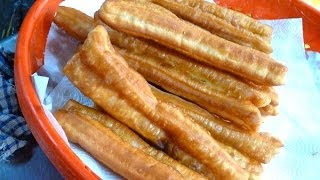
13 128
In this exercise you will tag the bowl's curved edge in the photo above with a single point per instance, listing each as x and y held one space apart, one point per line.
29 56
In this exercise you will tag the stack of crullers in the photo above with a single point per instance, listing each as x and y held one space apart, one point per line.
180 89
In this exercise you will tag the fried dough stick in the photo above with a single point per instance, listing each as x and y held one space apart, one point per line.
139 123
76 24
65 16
254 167
259 146
272 108
203 78
154 134
174 151
141 20
192 80
127 135
187 85
130 137
216 25
209 79
114 84
109 149
235 18
269 110
131 118
242 113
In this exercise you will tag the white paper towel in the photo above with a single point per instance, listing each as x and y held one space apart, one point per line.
297 125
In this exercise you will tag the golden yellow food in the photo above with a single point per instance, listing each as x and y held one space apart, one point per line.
141 20
139 47
133 119
113 84
130 137
196 82
206 86
235 18
216 25
109 149
227 146
74 23
269 110
259 146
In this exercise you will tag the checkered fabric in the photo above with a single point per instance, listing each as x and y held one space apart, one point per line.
13 128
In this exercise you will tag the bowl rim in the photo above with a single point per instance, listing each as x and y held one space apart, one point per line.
60 154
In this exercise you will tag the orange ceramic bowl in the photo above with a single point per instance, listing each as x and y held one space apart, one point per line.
29 57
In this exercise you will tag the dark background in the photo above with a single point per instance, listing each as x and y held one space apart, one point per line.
12 13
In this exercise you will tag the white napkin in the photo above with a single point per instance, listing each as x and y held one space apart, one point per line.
297 125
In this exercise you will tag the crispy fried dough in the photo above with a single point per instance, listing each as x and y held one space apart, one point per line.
125 41
137 122
269 110
113 75
261 146
192 80
75 70
74 23
124 110
208 79
216 25
140 20
118 155
270 91
242 113
252 166
234 18
202 78
170 148
130 137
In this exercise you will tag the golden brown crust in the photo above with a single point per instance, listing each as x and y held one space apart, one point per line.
261 146
115 126
244 114
269 110
193 80
207 79
111 150
196 141
130 137
138 20
75 70
216 25
74 22
147 130
251 165
165 142
202 78
111 73
232 17
274 96
268 90
184 158
141 125
227 83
